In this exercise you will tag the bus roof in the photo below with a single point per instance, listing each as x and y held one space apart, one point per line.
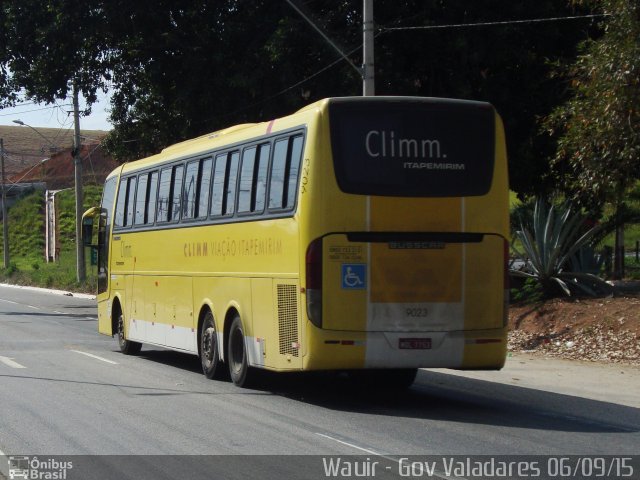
224 137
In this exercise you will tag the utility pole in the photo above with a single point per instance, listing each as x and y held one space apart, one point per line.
368 70
77 162
5 220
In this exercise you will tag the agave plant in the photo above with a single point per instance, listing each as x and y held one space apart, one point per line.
553 239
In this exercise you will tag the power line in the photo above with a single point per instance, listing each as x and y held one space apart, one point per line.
297 84
29 111
283 91
300 82
491 24
426 27
324 35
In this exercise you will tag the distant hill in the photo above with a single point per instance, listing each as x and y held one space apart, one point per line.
58 171
24 147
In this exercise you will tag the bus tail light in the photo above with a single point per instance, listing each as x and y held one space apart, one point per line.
314 282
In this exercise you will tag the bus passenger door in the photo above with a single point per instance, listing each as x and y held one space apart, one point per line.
103 218
94 223
103 294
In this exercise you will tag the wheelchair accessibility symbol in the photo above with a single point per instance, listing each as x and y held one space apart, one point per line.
354 276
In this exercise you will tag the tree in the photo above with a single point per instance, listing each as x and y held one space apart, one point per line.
598 154
46 46
182 68
277 67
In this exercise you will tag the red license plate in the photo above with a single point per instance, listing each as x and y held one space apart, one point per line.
414 344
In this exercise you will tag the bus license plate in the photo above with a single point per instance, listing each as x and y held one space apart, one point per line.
414 344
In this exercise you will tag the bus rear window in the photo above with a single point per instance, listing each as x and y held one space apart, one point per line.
413 147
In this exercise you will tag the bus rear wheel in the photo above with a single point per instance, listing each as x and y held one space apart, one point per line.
126 346
209 355
239 370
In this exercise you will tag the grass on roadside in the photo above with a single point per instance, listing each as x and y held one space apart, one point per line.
28 265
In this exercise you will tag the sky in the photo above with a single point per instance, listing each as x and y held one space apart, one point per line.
57 116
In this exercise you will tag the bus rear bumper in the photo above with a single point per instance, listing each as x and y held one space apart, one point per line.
470 350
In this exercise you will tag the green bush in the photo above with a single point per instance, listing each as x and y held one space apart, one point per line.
550 240
530 292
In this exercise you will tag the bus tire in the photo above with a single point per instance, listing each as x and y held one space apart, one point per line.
241 374
209 354
126 346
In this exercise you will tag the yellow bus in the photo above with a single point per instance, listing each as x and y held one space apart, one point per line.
365 234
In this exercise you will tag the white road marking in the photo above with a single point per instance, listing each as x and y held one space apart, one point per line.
31 306
95 356
349 444
437 473
9 301
10 363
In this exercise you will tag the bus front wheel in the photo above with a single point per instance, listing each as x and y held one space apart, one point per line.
126 346
241 374
209 356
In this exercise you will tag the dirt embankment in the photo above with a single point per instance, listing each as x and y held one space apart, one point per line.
599 330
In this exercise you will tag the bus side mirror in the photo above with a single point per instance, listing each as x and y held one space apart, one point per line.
87 225
87 231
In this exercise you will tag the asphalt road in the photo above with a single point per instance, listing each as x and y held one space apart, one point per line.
66 390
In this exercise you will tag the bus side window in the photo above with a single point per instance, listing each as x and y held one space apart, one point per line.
150 213
164 195
285 171
219 175
224 184
125 205
131 197
190 187
204 187
260 178
176 192
246 179
253 178
141 198
278 172
295 154
120 203
229 203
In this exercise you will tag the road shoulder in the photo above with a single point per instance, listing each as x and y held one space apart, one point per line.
607 382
